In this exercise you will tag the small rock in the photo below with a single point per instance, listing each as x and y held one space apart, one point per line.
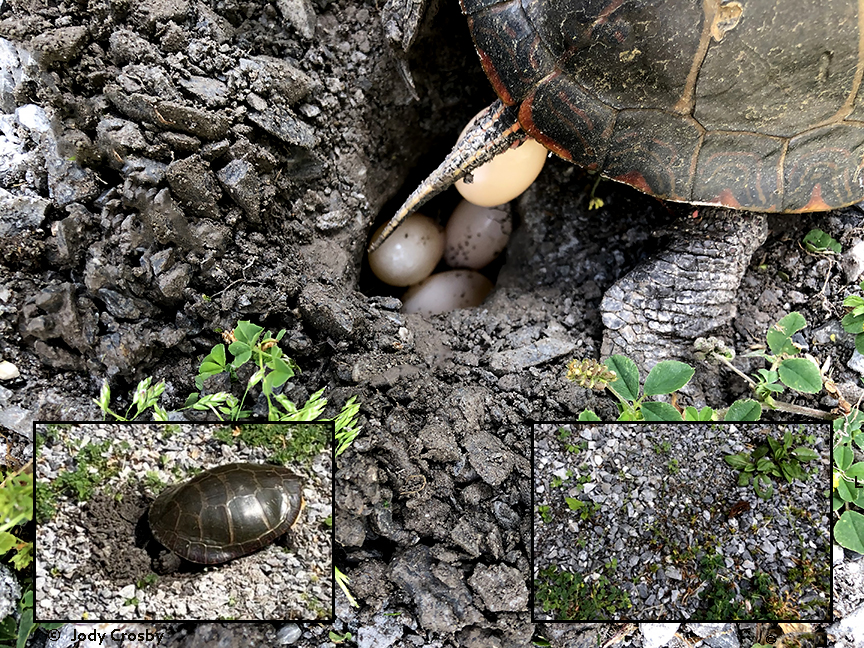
21 213
655 635
488 456
243 184
8 371
852 262
194 185
856 363
147 13
288 634
268 76
211 92
281 123
18 420
300 14
501 587
10 591
62 44
531 355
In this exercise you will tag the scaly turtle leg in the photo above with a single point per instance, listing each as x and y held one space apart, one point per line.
686 291
494 131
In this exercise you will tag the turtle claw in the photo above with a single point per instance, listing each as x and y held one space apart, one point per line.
494 131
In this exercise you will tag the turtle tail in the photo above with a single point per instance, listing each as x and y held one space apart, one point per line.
494 131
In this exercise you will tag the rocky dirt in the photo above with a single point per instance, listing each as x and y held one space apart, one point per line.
170 168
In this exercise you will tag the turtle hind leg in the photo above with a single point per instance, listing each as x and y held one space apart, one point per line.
494 131
687 291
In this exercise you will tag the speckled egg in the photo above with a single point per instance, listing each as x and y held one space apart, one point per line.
410 254
476 235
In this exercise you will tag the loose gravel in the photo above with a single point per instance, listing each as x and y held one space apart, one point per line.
665 496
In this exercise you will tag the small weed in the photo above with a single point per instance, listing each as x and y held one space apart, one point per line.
288 443
545 512
585 509
568 596
774 458
818 242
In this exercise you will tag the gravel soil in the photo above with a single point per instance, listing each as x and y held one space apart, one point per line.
661 499
93 557
171 168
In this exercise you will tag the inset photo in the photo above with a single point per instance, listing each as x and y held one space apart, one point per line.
184 521
681 521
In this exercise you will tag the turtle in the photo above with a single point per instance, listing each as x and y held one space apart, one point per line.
742 104
224 512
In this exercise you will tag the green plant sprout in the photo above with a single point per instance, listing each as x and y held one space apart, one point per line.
773 458
567 596
848 482
620 375
16 502
853 321
585 509
342 581
787 367
818 242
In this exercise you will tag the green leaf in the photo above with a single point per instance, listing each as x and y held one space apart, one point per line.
666 377
836 502
7 541
843 457
764 464
282 372
849 531
626 386
763 486
744 479
738 461
25 627
779 335
692 414
657 411
806 454
213 363
818 241
588 416
241 352
777 449
574 503
801 375
859 343
852 323
247 332
744 410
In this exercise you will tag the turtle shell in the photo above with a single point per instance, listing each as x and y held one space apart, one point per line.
750 104
226 512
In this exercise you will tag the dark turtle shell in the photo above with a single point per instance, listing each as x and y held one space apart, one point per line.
226 512
751 104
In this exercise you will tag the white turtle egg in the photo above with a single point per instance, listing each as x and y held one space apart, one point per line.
410 254
475 235
505 176
446 291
